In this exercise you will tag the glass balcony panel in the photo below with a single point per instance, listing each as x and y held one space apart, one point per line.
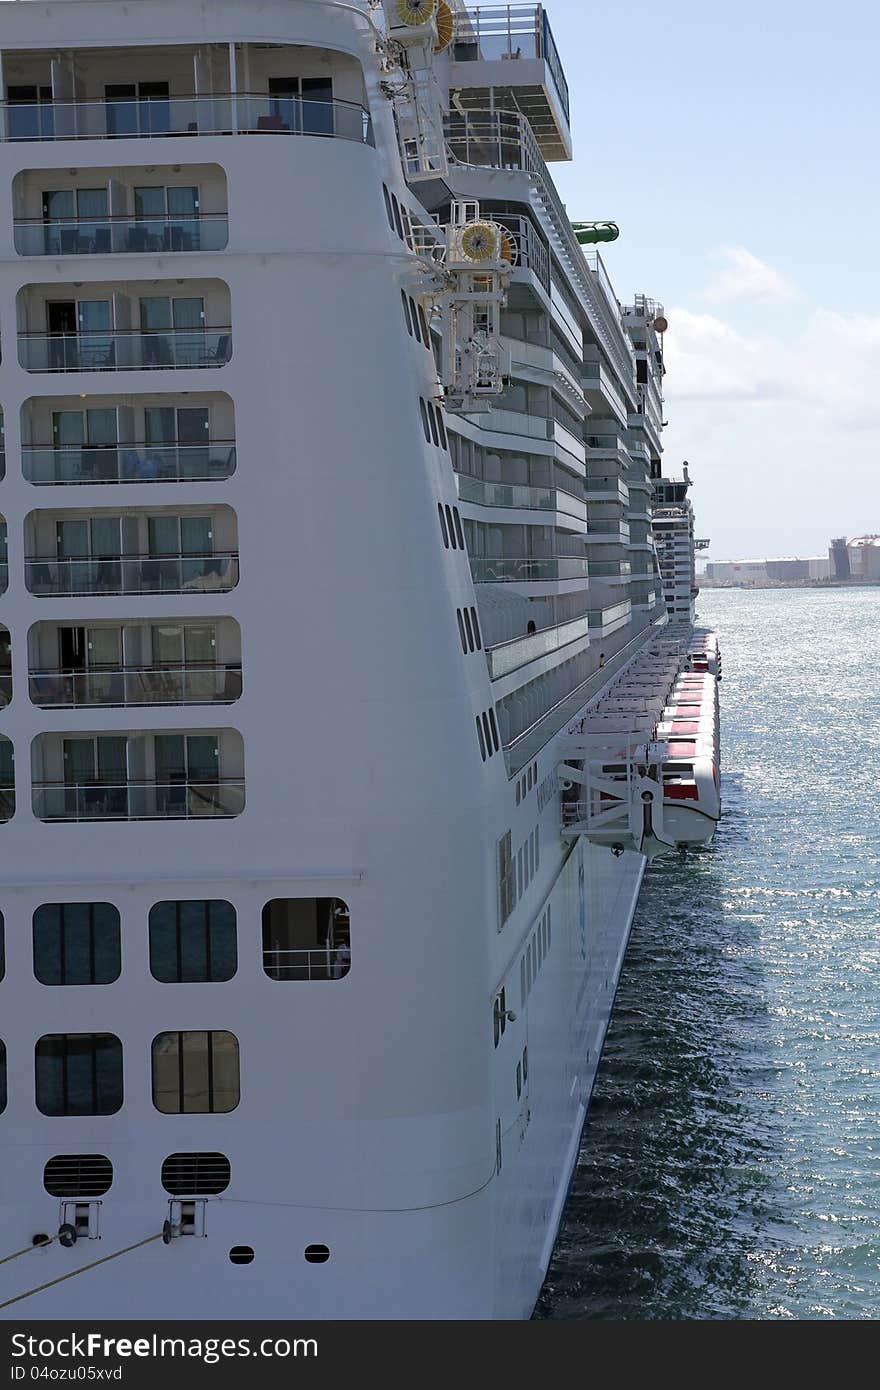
104 236
144 685
132 574
527 571
99 801
129 463
111 350
126 118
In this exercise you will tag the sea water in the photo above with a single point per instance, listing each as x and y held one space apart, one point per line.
730 1166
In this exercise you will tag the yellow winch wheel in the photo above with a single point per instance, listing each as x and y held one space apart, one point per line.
445 26
413 12
479 241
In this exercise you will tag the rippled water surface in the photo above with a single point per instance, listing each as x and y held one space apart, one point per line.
730 1167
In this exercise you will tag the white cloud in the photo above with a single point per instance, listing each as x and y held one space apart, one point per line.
829 367
740 275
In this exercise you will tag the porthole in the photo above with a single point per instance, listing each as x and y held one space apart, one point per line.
316 1254
388 209
241 1255
467 623
432 417
426 332
425 425
443 529
406 317
450 527
398 225
461 630
481 739
458 531
477 635
442 429
495 740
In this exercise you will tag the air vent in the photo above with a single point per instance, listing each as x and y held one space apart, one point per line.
191 1174
78 1175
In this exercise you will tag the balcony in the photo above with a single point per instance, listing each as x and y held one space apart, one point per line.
105 236
609 569
138 776
518 495
152 118
206 684
511 47
605 621
601 390
608 532
131 574
131 801
509 656
527 570
64 465
129 350
607 489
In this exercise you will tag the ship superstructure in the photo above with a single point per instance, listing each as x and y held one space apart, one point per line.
676 545
327 485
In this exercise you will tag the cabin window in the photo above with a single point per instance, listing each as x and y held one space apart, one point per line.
195 1073
76 944
306 939
79 1074
193 941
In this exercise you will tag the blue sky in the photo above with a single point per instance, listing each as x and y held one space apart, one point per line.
736 146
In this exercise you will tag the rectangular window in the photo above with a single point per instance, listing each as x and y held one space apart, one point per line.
195 1073
192 941
506 879
76 944
79 1074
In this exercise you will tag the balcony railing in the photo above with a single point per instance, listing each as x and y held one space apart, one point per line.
533 254
505 494
116 350
132 574
137 685
527 570
223 114
609 569
508 656
128 463
611 530
104 236
327 963
100 801
504 140
614 485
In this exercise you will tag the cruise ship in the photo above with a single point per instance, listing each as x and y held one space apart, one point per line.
341 705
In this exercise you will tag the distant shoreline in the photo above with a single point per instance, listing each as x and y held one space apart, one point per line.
787 583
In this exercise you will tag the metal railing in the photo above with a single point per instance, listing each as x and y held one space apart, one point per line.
128 463
325 963
505 140
119 350
508 656
103 236
527 570
222 114
601 617
182 800
532 253
511 32
132 574
214 683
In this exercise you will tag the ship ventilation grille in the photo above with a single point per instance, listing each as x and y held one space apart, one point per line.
186 1175
78 1175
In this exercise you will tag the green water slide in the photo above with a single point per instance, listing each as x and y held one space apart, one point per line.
588 233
